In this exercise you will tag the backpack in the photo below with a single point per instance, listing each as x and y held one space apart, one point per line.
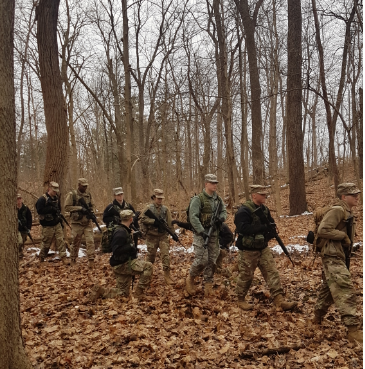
312 236
106 238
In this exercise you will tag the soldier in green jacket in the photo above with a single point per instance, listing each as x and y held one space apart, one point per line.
157 237
337 286
201 210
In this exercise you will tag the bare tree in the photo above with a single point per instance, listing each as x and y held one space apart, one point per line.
297 198
55 110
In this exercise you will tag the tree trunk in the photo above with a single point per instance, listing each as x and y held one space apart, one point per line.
359 128
12 351
249 25
55 110
297 197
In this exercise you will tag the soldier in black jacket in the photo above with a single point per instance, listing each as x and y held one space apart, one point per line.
24 222
112 211
125 263
48 209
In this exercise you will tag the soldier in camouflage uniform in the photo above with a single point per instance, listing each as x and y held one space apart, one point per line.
48 209
111 212
254 251
201 210
157 238
80 223
125 263
337 286
24 222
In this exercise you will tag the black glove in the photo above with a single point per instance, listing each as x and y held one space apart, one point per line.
271 231
204 235
84 210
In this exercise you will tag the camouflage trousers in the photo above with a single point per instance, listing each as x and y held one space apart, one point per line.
218 264
22 237
337 288
247 264
48 235
123 274
161 242
77 231
205 258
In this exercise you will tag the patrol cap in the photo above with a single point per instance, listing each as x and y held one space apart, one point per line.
126 214
18 196
83 182
261 190
158 193
118 191
210 178
347 189
55 187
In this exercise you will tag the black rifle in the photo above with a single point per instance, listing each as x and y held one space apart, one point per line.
161 223
272 230
213 222
26 230
349 224
89 213
59 214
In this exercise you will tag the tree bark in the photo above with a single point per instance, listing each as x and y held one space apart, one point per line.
12 351
55 110
249 25
297 197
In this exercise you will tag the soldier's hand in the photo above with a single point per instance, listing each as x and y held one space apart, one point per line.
84 210
346 242
175 221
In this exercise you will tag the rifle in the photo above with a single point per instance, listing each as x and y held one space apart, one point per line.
272 230
89 213
27 231
213 222
59 214
162 223
349 224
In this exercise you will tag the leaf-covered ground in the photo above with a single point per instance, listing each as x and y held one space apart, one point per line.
62 329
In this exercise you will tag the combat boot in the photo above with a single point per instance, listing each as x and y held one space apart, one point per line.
167 277
354 334
96 292
91 264
244 305
208 290
190 287
140 295
317 318
73 262
41 259
65 261
285 305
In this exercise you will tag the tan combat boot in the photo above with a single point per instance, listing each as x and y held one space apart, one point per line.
139 294
65 261
73 262
190 287
96 292
285 305
317 318
354 334
91 264
167 277
208 290
244 305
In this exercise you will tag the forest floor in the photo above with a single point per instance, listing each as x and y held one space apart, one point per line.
62 329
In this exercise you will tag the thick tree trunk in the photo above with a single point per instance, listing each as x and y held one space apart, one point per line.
297 197
12 352
55 110
249 26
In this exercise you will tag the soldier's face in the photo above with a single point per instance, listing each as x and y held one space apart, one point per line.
82 188
211 187
52 192
19 202
258 198
352 200
158 201
119 197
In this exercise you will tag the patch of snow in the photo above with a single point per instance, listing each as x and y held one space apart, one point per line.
82 253
102 227
295 216
291 248
290 238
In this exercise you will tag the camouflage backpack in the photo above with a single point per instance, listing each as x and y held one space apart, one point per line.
106 238
312 236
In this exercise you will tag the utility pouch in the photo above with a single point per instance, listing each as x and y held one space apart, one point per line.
76 215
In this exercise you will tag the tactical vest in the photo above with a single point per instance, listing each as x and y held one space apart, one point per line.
163 214
78 214
49 217
254 241
206 211
22 214
118 209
